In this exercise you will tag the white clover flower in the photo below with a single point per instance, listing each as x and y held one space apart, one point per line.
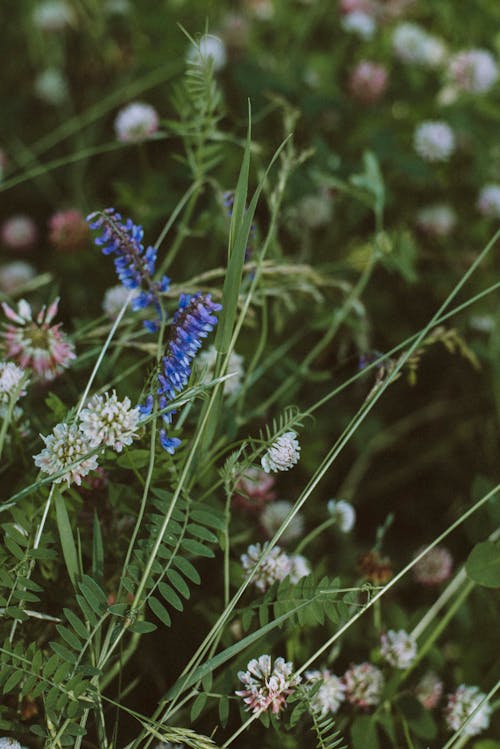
359 23
331 693
11 379
267 685
435 567
434 141
51 86
473 70
136 122
14 275
299 568
19 232
209 47
414 46
462 703
107 421
488 202
273 516
437 220
53 15
7 743
344 514
482 323
429 690
283 454
399 649
168 745
205 362
114 299
314 210
276 565
364 684
65 446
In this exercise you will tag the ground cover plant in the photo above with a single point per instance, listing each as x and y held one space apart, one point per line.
250 375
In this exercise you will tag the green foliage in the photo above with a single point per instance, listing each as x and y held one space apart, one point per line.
483 564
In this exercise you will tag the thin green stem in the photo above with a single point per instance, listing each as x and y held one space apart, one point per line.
102 353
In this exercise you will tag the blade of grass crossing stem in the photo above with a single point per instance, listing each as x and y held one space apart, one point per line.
66 536
229 653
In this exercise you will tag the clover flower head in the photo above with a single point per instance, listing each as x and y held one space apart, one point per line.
65 446
414 46
299 568
8 743
344 514
113 300
205 363
167 745
34 343
107 421
68 230
461 704
429 690
399 649
275 565
12 381
14 275
364 684
267 685
437 220
51 86
283 454
53 15
368 81
134 265
273 516
331 693
473 70
359 23
314 210
488 202
435 567
254 489
194 319
209 48
136 122
19 232
434 141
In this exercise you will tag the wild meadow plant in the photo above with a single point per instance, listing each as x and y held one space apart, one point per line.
175 571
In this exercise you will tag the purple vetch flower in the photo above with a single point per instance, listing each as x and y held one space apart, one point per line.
192 322
135 266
